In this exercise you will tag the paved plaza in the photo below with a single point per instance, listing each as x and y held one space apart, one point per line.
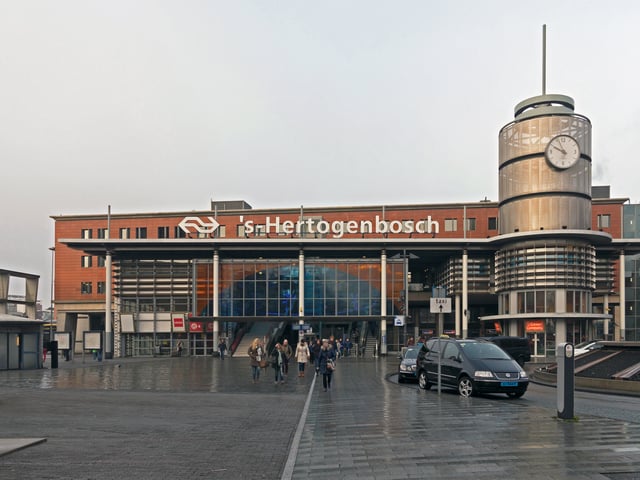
204 418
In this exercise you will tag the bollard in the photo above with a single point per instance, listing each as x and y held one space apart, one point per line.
565 380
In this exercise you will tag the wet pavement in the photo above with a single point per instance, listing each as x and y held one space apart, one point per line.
204 418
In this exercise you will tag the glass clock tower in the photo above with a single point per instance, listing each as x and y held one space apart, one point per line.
546 263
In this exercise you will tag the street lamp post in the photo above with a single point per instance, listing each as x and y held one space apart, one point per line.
53 345
51 309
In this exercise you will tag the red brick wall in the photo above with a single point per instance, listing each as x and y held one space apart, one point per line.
69 273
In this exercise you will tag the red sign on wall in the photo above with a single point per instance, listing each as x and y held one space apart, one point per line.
534 326
178 323
196 327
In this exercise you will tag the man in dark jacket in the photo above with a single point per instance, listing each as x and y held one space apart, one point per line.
325 364
315 351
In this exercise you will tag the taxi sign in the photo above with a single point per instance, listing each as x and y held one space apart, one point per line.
440 305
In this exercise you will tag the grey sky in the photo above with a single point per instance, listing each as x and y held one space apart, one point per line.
164 105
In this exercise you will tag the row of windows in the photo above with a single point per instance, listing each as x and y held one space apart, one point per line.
86 288
86 261
544 301
451 224
139 232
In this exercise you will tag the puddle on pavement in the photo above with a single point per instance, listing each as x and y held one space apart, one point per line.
190 374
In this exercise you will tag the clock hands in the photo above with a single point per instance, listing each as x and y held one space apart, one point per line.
560 149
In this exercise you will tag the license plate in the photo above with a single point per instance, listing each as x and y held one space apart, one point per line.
508 384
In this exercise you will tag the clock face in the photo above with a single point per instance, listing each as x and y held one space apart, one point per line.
562 151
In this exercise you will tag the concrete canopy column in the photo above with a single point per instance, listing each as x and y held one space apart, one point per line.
561 331
383 303
31 297
623 300
216 298
465 294
458 315
301 293
108 329
605 309
512 327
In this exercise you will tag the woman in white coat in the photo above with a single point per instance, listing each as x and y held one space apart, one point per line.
302 356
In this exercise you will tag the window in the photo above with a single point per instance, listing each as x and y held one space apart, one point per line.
260 231
529 302
450 224
101 288
85 288
535 301
103 233
540 299
86 233
451 351
520 307
179 232
221 232
240 231
493 223
163 232
471 224
86 261
550 301
505 303
141 232
102 261
125 233
604 221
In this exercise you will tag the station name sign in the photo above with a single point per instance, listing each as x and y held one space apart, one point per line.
312 226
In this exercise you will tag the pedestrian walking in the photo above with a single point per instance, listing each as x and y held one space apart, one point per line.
325 364
302 356
315 351
222 347
288 353
256 353
277 363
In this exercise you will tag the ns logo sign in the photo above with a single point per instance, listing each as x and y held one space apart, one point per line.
197 225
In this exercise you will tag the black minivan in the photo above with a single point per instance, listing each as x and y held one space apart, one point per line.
471 367
517 347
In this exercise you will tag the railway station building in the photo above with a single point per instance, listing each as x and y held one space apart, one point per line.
547 260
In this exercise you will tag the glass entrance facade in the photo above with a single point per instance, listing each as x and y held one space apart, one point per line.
332 288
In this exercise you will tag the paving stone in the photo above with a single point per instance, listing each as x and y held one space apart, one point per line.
203 418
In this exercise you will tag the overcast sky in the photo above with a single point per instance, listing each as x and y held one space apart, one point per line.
157 105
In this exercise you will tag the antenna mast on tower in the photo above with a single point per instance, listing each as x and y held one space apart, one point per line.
544 59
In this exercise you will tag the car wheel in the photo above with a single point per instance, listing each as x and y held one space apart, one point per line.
465 387
423 382
515 394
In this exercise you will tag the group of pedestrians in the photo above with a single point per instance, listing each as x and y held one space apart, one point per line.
323 355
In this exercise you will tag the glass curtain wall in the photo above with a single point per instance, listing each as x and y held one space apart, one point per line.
270 288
